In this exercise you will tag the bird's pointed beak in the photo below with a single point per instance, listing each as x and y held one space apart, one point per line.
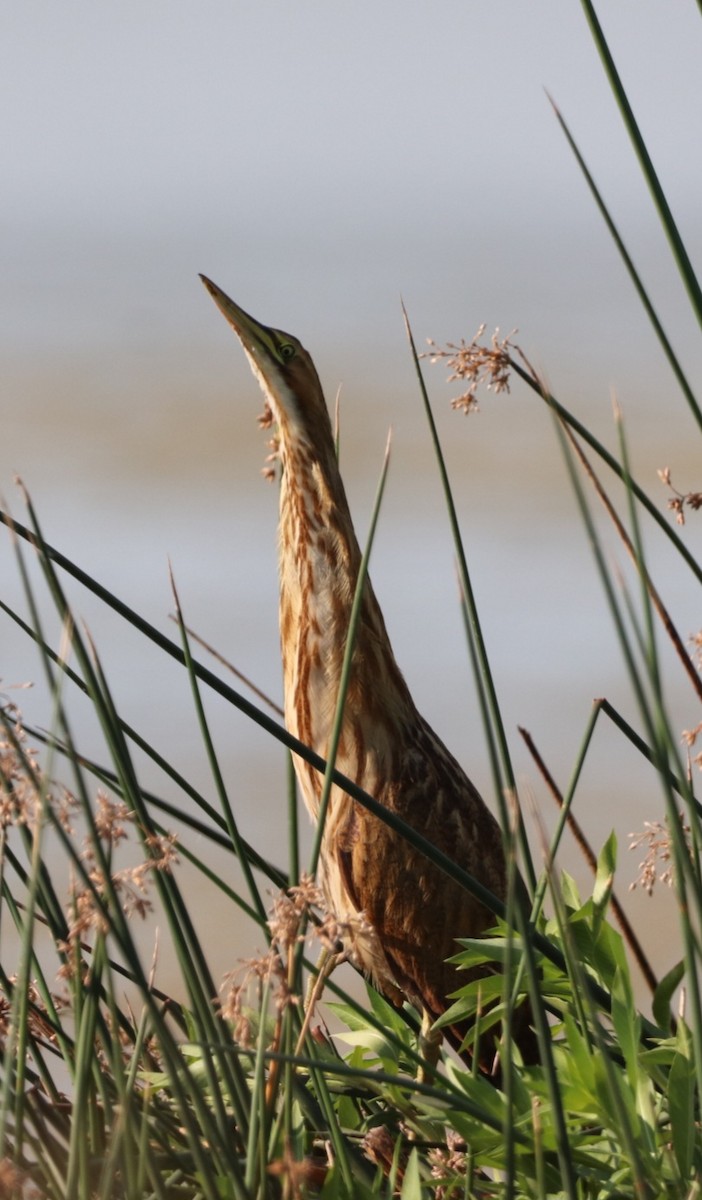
253 336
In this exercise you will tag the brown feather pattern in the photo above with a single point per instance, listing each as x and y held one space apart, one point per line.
413 912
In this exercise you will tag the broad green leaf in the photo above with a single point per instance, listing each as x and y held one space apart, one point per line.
370 1040
580 1052
412 1183
627 1022
604 878
569 892
389 1016
486 989
348 1014
681 1102
476 951
664 994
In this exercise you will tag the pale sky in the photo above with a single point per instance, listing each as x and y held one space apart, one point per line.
327 157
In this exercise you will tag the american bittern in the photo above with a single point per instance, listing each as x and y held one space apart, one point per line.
405 913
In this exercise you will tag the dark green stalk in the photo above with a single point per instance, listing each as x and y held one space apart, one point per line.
48 1016
293 824
648 647
657 730
675 782
508 1126
506 780
192 959
654 594
255 1168
592 1026
460 1101
634 275
632 669
110 779
125 1111
662 729
565 807
543 1034
119 927
531 379
83 1132
48 899
583 844
406 831
230 820
193 962
318 1075
277 731
345 675
480 691
17 1042
675 241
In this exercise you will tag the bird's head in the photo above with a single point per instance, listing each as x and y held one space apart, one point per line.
284 369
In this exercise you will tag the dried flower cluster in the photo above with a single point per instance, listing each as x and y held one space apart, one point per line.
679 500
289 913
241 994
475 364
40 1028
27 797
447 1163
266 421
24 791
658 843
15 1184
90 904
289 917
241 991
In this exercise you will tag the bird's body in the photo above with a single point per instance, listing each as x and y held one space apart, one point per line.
402 912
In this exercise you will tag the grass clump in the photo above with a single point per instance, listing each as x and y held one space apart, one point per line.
111 1087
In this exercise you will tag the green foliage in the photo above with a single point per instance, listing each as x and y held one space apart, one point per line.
111 1088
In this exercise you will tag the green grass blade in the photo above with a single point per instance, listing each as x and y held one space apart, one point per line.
634 275
653 592
675 241
532 380
667 750
345 675
567 818
225 804
676 782
202 988
293 825
506 781
277 731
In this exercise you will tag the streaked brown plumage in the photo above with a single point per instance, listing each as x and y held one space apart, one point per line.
413 912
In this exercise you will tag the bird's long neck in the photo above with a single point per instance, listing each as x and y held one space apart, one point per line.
319 564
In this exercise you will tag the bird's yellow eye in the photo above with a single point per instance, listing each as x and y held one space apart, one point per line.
287 351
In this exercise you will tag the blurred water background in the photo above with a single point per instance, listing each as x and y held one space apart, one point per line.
317 161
